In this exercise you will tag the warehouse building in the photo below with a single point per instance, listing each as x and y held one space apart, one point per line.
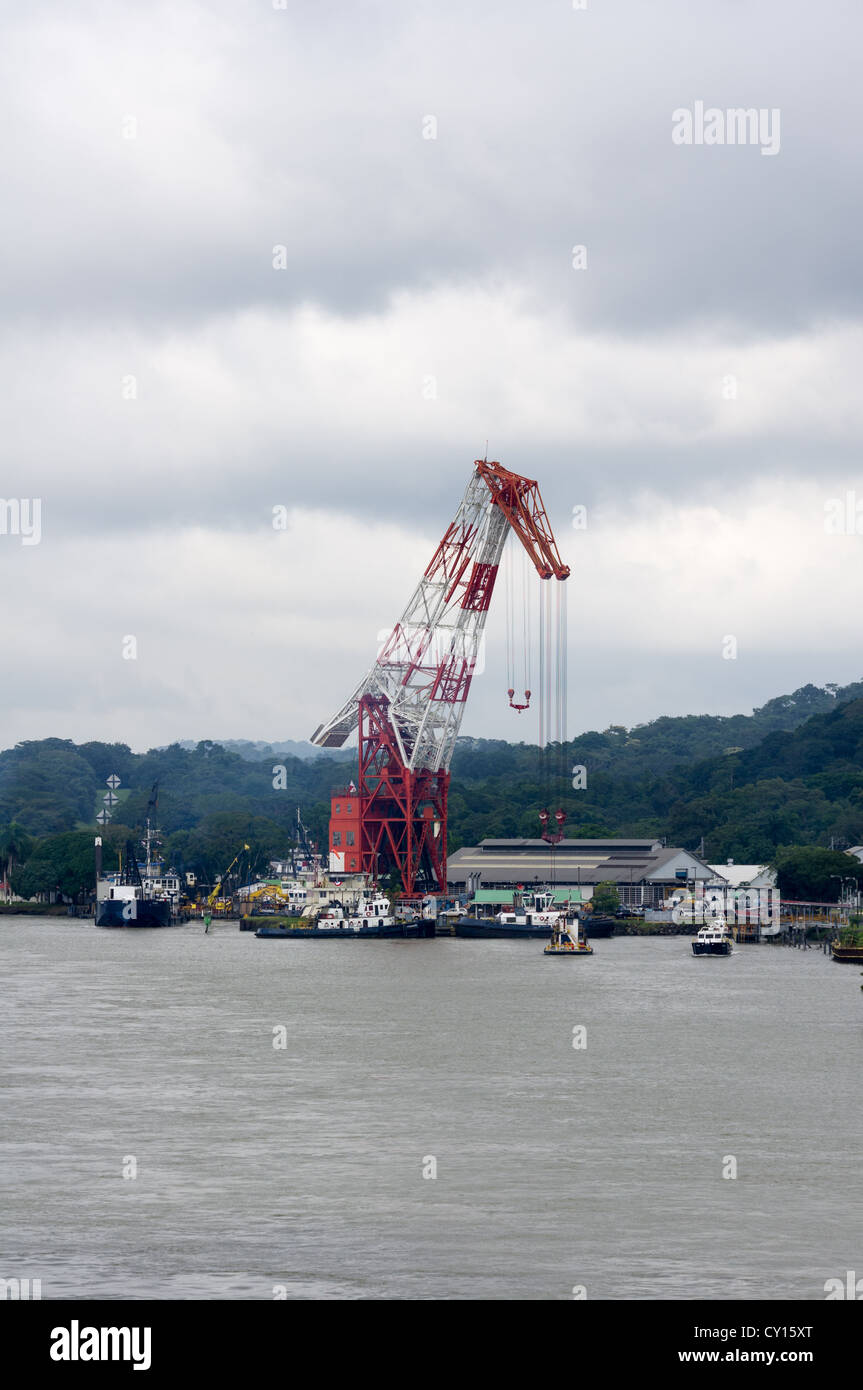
643 871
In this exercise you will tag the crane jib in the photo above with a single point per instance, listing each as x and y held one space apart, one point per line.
409 707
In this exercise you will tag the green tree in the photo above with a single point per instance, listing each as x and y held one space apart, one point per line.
29 880
64 863
15 845
807 873
606 899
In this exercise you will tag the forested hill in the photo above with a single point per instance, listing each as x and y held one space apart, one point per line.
257 749
799 787
52 784
788 773
663 743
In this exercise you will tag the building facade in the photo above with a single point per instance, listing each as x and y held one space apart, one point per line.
642 871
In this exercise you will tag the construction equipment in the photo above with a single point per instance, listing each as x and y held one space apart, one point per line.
409 707
211 898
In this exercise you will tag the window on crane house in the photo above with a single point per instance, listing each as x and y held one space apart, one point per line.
349 839
337 837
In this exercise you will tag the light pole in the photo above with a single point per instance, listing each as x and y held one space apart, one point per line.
852 883
843 903
839 901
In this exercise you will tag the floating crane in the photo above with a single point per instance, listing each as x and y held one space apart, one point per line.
409 707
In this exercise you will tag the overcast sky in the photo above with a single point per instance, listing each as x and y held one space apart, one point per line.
428 170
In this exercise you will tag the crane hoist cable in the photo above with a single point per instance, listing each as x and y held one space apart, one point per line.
523 704
553 694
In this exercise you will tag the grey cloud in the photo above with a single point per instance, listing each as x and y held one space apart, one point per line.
406 259
259 128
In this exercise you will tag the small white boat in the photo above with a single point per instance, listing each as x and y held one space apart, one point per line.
713 939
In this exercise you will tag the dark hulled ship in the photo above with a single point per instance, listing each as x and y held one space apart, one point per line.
138 894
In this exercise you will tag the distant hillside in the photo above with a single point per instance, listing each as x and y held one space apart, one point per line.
255 750
794 787
788 773
51 785
800 787
662 743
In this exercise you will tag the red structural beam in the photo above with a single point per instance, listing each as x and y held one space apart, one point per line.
399 809
520 501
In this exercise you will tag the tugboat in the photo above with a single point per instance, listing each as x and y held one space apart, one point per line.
535 920
712 939
372 917
138 894
564 944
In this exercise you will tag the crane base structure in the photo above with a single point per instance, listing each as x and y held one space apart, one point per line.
403 812
409 707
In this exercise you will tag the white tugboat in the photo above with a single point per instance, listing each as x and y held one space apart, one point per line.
372 916
532 916
373 911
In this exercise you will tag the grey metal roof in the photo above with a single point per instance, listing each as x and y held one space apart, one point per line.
575 861
643 846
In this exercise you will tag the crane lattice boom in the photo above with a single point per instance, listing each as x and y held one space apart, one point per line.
410 705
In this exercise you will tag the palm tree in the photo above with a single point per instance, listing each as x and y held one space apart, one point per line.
15 846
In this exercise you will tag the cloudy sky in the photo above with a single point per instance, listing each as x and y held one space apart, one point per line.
261 255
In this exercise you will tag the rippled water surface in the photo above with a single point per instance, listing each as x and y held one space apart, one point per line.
302 1166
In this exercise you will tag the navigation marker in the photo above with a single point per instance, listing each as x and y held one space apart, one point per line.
112 781
103 817
110 799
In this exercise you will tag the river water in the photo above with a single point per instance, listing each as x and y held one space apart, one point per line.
297 1170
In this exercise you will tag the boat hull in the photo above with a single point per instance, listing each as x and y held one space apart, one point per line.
109 913
711 948
847 955
498 931
397 931
598 926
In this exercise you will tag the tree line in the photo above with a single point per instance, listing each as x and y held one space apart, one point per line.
752 787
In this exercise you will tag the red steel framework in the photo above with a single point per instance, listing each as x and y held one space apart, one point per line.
409 707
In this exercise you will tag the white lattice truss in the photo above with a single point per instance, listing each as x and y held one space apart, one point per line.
424 669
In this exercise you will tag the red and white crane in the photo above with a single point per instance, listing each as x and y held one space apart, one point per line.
409 707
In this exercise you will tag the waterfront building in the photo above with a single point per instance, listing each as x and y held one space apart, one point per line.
642 871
